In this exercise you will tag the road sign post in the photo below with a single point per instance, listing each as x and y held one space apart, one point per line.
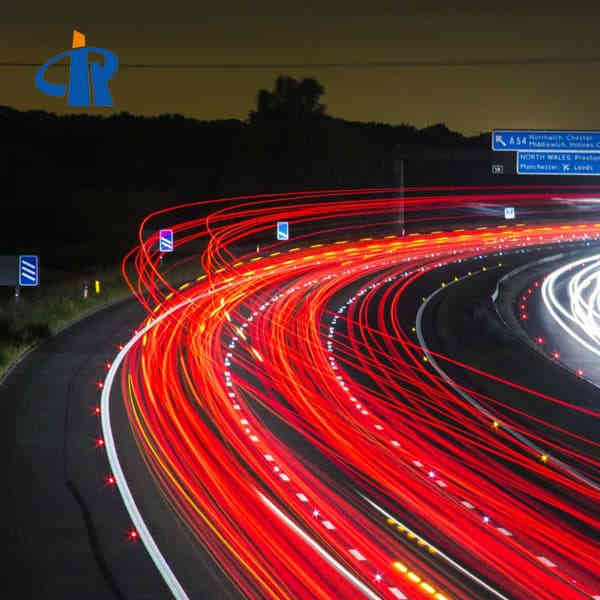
558 163
28 270
165 240
283 231
523 140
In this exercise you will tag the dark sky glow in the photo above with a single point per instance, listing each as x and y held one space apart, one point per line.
472 97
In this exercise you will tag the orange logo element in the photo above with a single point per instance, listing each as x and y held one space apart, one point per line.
78 39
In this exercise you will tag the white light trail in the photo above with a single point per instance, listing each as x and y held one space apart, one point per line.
581 317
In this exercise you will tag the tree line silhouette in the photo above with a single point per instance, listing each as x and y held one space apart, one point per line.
77 185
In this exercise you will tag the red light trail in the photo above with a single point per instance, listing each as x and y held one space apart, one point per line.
434 498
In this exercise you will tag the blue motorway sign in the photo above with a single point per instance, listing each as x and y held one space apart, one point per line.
165 240
558 163
28 270
283 230
512 140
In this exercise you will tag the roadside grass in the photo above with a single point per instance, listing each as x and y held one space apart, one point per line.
44 311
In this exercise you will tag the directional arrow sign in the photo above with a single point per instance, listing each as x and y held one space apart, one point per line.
513 140
28 270
165 240
558 163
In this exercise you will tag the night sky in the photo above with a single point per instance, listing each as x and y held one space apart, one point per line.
468 98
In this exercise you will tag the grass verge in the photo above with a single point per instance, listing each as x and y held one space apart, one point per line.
44 311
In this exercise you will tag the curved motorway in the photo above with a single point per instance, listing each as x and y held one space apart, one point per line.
293 438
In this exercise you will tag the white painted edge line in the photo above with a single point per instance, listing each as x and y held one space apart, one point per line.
440 553
111 452
332 561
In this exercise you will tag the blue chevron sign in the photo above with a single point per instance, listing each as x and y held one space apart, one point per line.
28 270
165 240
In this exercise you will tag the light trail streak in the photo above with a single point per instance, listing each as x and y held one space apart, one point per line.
314 343
583 312
469 398
452 562
351 578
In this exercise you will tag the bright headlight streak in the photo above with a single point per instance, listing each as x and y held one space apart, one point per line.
474 402
560 314
582 309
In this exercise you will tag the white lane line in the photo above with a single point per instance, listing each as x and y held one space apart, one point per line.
467 505
504 531
332 561
302 497
113 460
546 561
441 554
357 555
397 593
328 525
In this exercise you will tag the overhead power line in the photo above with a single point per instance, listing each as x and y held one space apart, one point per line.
401 64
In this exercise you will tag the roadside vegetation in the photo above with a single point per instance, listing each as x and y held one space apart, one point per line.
44 311
41 312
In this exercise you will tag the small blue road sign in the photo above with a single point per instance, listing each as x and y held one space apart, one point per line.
28 270
283 230
165 240
512 140
558 163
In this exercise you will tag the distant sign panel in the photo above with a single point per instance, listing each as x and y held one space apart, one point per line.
509 212
558 163
165 240
9 269
512 140
283 230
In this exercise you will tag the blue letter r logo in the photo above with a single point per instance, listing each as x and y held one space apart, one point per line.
79 80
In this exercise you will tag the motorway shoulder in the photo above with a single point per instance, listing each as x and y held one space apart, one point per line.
66 528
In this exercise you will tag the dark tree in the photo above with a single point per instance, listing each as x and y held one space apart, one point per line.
290 101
